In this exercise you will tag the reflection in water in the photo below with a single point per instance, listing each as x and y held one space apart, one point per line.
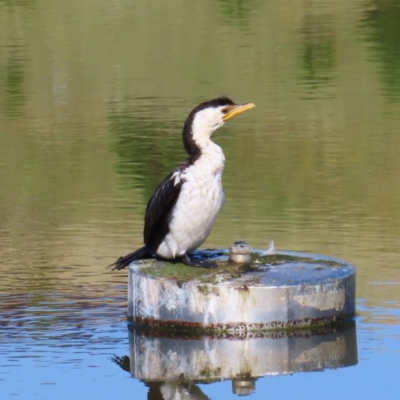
236 11
173 363
13 58
320 176
319 52
18 3
382 30
53 316
147 142
14 80
159 390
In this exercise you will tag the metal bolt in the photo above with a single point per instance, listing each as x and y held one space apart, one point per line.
240 253
243 387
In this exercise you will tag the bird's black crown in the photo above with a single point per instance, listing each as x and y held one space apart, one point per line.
218 102
188 142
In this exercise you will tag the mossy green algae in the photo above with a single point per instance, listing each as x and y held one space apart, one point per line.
225 269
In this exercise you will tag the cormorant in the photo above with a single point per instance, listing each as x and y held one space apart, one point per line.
184 207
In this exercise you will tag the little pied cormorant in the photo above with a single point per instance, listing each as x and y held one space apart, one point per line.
184 207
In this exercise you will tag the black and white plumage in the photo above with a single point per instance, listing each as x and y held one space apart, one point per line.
184 207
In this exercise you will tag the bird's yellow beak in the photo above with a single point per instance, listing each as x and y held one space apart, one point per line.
237 109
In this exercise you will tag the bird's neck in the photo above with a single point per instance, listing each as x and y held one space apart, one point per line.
210 162
196 135
203 147
204 154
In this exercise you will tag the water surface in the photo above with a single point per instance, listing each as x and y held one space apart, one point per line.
93 97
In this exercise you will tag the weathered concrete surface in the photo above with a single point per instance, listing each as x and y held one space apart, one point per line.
288 290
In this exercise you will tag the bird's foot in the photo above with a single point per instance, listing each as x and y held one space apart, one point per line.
198 263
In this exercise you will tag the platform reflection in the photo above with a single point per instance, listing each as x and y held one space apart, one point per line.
172 364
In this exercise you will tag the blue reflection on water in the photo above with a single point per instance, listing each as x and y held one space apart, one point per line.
63 352
71 358
74 364
372 378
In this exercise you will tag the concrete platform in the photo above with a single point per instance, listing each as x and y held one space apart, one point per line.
285 290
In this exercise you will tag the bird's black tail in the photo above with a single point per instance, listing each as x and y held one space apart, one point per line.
123 262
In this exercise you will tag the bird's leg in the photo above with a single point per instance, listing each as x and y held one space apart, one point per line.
198 263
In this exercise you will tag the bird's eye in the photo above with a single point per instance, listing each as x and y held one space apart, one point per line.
225 110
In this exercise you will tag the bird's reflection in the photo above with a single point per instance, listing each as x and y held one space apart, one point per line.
172 365
160 390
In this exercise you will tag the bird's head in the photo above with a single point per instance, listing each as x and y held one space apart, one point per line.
206 118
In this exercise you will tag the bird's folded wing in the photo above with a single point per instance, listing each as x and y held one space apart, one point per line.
159 208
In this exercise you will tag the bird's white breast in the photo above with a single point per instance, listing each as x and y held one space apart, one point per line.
200 200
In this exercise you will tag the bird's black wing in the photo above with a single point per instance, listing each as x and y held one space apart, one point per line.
159 207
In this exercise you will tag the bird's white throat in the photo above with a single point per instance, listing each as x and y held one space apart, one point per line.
204 124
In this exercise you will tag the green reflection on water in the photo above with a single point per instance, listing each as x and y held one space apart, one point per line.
18 3
237 11
95 94
148 146
381 23
319 52
14 80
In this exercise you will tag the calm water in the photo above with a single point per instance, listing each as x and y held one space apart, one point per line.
93 96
